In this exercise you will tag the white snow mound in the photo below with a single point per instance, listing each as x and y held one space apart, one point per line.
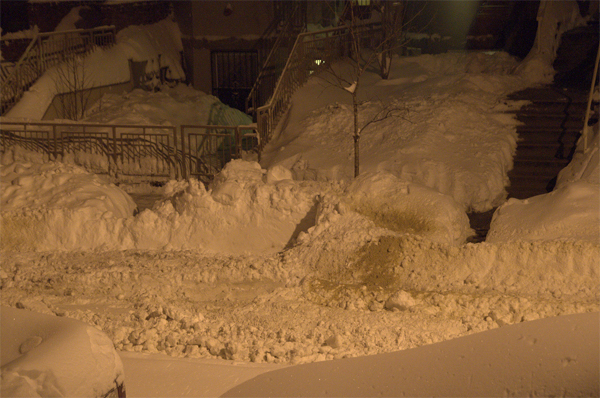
568 213
54 206
240 213
408 207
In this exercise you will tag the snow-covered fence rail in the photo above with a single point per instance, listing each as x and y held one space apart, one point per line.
46 50
312 51
124 152
206 149
121 151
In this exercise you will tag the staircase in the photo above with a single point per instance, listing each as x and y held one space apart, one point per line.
552 124
44 51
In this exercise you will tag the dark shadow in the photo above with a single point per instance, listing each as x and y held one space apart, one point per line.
308 221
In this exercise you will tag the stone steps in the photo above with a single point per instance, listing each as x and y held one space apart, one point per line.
551 126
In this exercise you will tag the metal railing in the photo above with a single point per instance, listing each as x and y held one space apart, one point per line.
46 50
124 152
274 62
312 52
205 150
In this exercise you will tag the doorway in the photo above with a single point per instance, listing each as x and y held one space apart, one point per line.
233 75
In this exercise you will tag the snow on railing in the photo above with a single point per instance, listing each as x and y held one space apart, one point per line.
273 64
312 52
46 50
126 151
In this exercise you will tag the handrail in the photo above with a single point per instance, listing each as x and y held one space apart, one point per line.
326 45
287 32
589 103
39 56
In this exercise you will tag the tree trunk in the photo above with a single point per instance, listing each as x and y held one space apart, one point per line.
356 133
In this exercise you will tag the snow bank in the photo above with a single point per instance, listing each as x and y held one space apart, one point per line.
570 212
409 208
240 212
57 206
54 206
450 129
45 356
551 357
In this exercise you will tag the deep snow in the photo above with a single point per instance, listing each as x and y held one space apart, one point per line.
292 261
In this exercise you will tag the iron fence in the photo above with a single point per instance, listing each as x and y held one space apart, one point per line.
207 149
124 152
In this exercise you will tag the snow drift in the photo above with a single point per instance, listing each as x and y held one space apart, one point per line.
47 356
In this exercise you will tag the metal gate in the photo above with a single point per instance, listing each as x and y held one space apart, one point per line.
233 75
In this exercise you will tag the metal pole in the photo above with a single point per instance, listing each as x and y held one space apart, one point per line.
184 171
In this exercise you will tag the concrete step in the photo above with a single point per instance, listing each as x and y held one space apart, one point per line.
528 185
547 95
539 135
527 150
553 108
537 168
551 126
552 121
524 193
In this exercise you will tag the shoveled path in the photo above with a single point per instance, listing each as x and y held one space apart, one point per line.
550 127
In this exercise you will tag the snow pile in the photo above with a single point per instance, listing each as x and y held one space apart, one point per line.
449 128
554 18
54 206
180 105
409 208
46 356
111 66
558 355
243 211
570 212
57 206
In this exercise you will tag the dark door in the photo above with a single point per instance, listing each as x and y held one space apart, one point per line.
233 75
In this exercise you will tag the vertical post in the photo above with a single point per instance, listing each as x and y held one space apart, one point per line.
184 170
114 155
238 143
173 148
56 143
39 54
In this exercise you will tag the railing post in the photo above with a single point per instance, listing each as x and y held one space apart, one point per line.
238 143
184 170
114 154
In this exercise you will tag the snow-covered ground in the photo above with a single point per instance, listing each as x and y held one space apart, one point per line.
292 261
